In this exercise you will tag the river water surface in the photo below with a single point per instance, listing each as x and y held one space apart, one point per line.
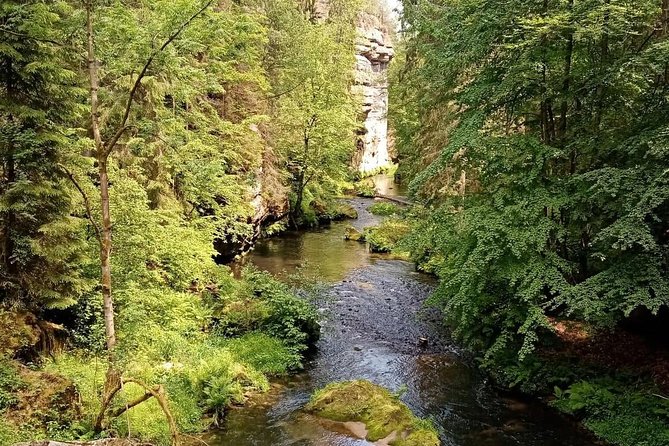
373 316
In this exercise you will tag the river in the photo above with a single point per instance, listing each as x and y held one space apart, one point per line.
373 317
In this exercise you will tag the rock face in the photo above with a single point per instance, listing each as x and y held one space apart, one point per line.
374 51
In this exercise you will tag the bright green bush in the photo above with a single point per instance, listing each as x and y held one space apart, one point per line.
384 237
265 354
269 306
619 412
384 209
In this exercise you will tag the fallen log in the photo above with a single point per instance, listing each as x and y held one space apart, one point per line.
395 199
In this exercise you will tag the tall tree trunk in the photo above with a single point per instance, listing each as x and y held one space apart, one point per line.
564 106
113 381
105 259
544 106
102 157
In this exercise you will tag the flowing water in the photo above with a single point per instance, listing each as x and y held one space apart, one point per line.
373 317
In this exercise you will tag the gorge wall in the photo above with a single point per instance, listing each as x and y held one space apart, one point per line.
374 51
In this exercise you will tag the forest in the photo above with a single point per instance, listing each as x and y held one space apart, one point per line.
281 222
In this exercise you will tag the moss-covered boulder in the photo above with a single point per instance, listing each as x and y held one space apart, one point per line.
350 233
384 237
345 211
383 414
365 188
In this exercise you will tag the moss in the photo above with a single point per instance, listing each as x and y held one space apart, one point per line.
344 211
380 411
325 211
350 233
384 238
18 331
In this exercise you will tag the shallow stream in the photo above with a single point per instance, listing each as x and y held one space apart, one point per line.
373 318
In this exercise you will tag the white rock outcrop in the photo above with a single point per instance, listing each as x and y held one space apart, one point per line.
374 51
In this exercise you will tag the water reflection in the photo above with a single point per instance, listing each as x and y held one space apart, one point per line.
322 254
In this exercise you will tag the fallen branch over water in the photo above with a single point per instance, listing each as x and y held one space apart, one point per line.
395 199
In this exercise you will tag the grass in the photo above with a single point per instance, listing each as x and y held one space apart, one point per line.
381 412
384 209
209 351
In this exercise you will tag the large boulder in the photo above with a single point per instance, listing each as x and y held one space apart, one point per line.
386 419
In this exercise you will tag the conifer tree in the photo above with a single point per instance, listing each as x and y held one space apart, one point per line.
40 251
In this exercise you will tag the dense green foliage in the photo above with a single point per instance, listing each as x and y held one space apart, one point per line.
384 209
536 134
628 413
224 115
39 245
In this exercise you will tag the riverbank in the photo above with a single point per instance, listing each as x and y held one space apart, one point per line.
374 318
207 350
375 326
612 380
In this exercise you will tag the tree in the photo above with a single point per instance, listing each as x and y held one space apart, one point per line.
554 111
103 148
41 254
314 108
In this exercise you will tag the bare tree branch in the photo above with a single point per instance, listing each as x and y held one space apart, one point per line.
87 203
131 97
121 410
26 36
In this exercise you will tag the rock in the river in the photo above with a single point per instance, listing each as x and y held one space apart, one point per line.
384 416
350 233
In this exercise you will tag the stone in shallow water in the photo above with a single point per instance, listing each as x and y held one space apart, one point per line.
383 415
350 233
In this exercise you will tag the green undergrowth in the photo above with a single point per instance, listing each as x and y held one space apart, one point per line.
202 378
618 411
386 236
8 434
621 407
381 412
384 209
210 349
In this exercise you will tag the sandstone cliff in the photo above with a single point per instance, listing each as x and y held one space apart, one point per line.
374 51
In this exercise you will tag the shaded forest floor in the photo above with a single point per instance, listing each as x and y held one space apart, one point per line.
622 351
